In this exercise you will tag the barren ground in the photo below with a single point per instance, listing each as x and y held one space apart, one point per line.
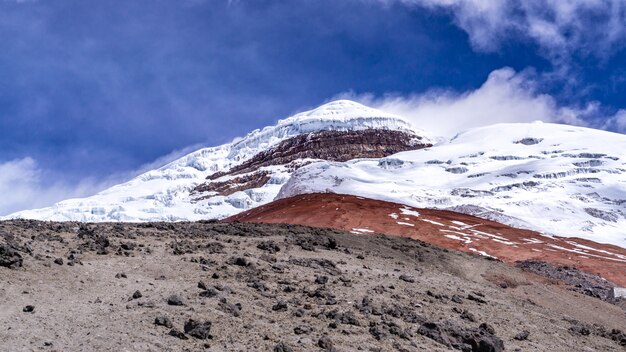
256 287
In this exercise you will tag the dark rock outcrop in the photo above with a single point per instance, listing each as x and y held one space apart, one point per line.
199 330
10 257
325 145
482 339
240 183
583 282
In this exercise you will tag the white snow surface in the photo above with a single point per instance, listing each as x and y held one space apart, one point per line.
164 194
556 179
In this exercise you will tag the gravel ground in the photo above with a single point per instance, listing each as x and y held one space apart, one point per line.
209 286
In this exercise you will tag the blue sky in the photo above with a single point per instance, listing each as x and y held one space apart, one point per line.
93 92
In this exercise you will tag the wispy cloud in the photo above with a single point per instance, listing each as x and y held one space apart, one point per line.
559 28
617 122
506 96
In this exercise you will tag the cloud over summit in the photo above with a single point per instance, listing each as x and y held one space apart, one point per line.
506 96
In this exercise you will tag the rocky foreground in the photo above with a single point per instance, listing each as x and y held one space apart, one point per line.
246 287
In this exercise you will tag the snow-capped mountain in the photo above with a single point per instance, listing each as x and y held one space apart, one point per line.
557 179
208 183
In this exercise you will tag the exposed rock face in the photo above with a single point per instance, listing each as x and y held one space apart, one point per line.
324 145
236 184
331 146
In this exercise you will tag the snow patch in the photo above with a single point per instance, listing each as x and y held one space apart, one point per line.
483 253
433 222
362 230
407 211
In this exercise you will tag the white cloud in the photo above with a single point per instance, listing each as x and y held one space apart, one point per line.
24 184
560 28
506 96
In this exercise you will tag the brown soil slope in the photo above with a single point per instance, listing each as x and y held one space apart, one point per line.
443 228
265 287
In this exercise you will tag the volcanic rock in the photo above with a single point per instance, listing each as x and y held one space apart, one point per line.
163 321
